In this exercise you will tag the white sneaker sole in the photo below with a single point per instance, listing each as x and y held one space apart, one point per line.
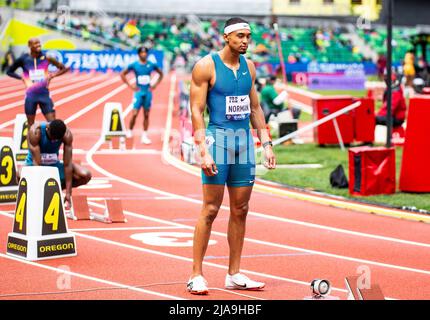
245 288
199 293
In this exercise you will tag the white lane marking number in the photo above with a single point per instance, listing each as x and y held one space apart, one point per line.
167 239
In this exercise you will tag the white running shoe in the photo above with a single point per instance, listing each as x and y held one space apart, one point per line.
145 140
198 285
242 282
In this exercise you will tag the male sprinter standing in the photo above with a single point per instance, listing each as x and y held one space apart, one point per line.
44 142
37 79
225 82
143 89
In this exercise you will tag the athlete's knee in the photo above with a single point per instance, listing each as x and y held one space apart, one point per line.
210 213
240 210
87 176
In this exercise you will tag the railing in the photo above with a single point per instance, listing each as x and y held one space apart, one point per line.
315 124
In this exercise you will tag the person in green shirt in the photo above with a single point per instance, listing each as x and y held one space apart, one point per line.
268 95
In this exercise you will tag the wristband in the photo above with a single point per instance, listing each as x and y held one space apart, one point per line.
267 144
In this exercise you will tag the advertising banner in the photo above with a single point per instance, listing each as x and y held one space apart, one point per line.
102 61
336 82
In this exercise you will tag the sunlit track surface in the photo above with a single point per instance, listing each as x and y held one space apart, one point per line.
288 242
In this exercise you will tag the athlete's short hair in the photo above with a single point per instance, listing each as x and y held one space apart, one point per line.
140 49
57 129
234 20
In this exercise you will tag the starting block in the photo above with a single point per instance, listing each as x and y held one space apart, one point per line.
8 181
20 137
357 293
80 209
129 143
113 121
113 212
115 142
40 229
122 143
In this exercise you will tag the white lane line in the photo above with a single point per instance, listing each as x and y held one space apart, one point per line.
70 98
15 84
278 245
52 93
6 94
9 83
7 214
143 217
106 173
141 186
86 277
106 281
181 258
165 198
96 103
114 152
190 200
268 255
124 229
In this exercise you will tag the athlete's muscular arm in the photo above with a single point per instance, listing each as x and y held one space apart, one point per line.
33 138
257 120
201 77
62 69
123 75
15 66
160 77
68 167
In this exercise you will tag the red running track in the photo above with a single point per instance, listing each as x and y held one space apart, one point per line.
288 242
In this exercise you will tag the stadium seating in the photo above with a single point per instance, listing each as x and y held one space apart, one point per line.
376 38
178 38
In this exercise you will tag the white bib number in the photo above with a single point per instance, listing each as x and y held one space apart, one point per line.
143 80
37 75
237 107
49 158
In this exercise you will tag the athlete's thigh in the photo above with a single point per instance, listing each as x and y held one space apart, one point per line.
242 172
241 175
219 156
30 105
239 196
60 166
47 106
213 194
79 171
137 101
147 101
